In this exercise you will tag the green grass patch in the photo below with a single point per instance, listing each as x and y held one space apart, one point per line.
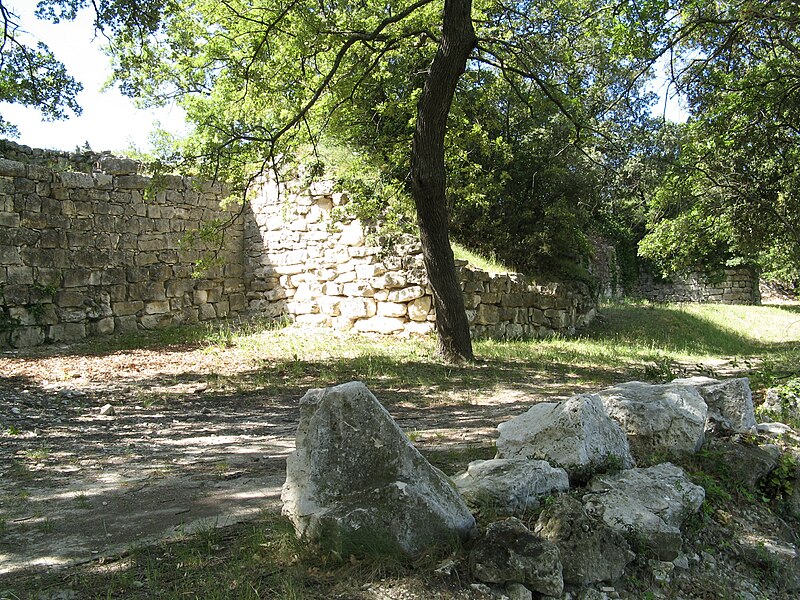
489 264
262 559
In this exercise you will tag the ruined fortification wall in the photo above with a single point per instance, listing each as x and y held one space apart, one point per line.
90 246
105 251
733 286
308 260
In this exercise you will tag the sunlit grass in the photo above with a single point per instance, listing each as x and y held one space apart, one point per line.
264 559
489 264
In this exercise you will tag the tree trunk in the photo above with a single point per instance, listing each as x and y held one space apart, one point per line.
428 178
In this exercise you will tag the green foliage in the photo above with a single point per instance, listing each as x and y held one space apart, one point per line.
31 75
780 483
731 195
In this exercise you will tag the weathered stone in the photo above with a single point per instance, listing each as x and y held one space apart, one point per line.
660 420
575 434
357 308
590 550
25 337
113 165
406 294
650 504
355 479
511 553
748 464
383 325
509 486
392 309
730 403
419 309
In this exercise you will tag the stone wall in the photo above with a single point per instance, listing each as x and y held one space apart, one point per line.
99 248
105 251
308 260
733 286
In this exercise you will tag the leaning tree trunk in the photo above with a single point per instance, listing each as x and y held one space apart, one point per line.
428 177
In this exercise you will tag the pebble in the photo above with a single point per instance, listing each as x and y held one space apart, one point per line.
774 428
682 562
107 410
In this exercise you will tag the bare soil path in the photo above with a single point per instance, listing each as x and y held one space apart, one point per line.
174 453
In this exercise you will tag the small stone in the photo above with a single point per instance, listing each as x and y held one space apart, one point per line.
517 591
106 410
773 428
682 562
15 410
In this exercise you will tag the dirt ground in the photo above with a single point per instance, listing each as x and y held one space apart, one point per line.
172 453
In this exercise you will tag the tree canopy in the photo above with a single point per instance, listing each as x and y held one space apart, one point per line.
732 194
523 126
32 76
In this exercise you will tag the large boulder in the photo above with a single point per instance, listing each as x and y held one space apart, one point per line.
647 505
355 482
576 435
660 420
511 553
590 550
730 403
509 486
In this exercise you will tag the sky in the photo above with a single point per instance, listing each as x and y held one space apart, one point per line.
111 121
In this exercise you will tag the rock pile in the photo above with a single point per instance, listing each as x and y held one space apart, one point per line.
354 472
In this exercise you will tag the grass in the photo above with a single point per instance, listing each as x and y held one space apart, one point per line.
491 264
264 560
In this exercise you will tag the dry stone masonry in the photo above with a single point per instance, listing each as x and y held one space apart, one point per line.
90 246
307 259
85 253
733 286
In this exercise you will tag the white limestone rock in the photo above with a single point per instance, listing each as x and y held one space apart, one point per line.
382 325
651 504
730 403
576 435
590 550
511 553
355 479
509 486
660 420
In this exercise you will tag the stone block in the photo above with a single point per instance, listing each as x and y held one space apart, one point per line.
26 337
9 255
357 308
419 327
16 294
12 168
9 219
124 309
113 165
358 288
392 309
126 324
70 179
384 325
66 332
487 314
69 299
20 275
419 308
132 182
161 321
406 294
156 308
207 312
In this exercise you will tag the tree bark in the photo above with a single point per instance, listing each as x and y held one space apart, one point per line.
428 177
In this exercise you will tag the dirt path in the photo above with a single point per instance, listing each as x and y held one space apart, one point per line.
171 455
